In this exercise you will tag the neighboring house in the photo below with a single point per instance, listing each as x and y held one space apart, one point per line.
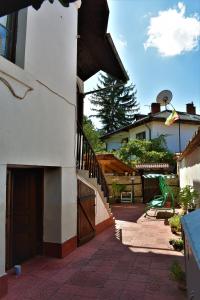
41 100
189 173
152 125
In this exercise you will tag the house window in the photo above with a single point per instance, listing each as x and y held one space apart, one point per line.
8 26
141 135
124 141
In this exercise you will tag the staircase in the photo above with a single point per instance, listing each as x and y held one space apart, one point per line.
88 167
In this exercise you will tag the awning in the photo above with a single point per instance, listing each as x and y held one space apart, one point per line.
9 6
154 166
168 176
96 50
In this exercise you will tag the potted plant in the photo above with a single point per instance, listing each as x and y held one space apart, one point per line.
177 274
117 188
187 197
175 223
177 244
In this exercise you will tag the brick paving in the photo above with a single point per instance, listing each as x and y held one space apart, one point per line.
130 261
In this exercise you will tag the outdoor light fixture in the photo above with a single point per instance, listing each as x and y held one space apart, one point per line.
132 188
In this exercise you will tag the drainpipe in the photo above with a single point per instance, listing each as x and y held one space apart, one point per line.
147 126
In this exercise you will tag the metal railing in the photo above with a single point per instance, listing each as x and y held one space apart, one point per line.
86 160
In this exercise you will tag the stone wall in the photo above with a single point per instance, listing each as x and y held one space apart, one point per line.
126 180
137 187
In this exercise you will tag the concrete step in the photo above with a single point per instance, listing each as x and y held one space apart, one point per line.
83 173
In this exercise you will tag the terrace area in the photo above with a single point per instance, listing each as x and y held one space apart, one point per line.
130 260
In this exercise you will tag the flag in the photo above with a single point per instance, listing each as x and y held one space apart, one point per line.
172 118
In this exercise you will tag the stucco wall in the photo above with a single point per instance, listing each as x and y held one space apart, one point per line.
142 128
126 180
2 217
172 134
51 41
40 130
37 130
115 142
190 170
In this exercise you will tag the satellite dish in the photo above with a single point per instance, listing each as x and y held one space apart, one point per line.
164 97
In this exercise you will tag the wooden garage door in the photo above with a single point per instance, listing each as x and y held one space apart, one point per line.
86 213
24 215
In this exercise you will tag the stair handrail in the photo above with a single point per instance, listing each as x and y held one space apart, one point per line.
86 160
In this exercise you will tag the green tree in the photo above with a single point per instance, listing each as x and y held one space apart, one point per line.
115 106
93 135
146 151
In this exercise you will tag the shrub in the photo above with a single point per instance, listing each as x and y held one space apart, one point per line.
177 244
175 222
187 197
177 273
117 189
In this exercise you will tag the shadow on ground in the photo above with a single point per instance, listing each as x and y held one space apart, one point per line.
130 260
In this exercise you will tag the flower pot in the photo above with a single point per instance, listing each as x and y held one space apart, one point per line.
174 230
182 285
168 204
177 247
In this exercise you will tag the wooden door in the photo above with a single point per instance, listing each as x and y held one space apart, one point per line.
150 189
24 215
86 213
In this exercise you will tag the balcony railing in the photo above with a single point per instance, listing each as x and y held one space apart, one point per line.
86 160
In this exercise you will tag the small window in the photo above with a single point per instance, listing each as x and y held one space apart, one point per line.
141 135
124 141
8 31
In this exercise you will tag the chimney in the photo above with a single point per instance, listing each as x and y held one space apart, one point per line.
155 107
190 108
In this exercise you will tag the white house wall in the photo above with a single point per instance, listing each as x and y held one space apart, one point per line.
51 41
115 142
139 129
172 134
190 170
40 130
3 171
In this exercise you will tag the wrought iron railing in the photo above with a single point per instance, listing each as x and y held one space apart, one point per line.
86 160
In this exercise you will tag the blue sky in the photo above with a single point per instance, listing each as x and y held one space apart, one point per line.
158 42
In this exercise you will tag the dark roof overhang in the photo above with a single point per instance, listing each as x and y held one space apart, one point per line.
10 6
96 50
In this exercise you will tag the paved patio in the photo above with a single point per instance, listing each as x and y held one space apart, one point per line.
130 261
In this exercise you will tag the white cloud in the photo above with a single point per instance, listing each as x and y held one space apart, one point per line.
120 42
172 33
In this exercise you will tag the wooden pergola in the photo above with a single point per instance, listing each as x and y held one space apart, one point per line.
111 164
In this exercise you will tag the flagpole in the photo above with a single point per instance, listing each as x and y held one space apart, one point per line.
179 135
179 130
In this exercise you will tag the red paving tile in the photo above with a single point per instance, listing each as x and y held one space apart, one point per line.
130 261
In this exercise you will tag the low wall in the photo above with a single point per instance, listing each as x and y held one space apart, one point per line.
137 186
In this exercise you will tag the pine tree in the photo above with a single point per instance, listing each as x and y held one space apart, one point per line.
115 106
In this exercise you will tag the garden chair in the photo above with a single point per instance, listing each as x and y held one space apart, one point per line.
158 202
